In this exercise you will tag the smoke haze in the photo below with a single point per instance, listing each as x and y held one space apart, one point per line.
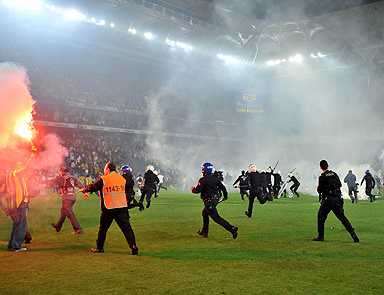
17 107
308 114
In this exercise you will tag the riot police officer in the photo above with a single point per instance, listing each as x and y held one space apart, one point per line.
330 195
148 185
295 186
208 186
126 172
255 189
277 182
243 184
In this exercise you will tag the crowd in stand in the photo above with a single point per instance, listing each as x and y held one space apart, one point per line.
88 152
58 77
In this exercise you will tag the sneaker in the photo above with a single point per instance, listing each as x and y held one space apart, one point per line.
56 227
148 204
135 250
318 239
96 250
19 250
77 232
234 232
205 235
247 214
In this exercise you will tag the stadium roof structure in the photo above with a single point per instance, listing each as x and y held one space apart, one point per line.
252 31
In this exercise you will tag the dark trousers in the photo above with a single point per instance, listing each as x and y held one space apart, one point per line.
211 210
352 192
334 204
67 211
121 217
368 192
255 193
243 191
147 193
294 189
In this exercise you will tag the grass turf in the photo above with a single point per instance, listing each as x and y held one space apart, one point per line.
273 253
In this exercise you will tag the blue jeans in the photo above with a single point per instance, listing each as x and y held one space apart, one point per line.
19 218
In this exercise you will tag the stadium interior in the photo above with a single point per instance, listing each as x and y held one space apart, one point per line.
175 83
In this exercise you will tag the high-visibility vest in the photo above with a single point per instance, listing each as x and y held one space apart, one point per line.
114 191
16 187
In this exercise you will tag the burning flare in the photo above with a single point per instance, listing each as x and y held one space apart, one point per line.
24 127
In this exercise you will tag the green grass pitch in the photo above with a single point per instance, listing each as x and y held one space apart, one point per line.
273 253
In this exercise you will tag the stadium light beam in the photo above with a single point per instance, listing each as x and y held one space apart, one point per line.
227 58
183 45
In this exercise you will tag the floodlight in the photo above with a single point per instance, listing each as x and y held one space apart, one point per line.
313 56
148 35
319 54
51 7
74 15
298 58
183 45
132 31
102 22
112 25
170 42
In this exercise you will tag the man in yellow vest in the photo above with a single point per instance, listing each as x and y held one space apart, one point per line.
17 196
113 191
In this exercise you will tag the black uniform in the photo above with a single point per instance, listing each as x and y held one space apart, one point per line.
330 193
294 186
350 180
263 183
208 187
369 186
277 182
243 184
268 180
255 191
149 187
130 194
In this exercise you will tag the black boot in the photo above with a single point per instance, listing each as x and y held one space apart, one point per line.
354 237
